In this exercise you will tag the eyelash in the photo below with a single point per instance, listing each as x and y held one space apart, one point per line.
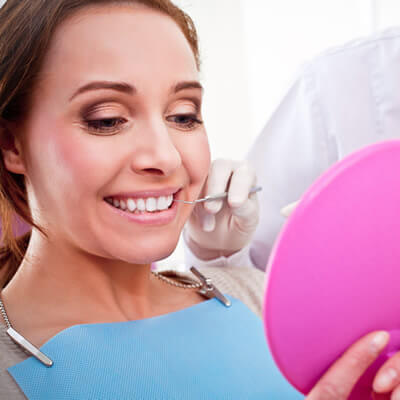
117 123
93 125
191 124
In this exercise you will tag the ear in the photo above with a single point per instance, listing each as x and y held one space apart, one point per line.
11 148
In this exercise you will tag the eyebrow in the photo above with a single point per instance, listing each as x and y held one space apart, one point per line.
187 85
124 87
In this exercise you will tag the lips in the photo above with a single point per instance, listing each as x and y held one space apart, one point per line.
150 204
144 201
145 217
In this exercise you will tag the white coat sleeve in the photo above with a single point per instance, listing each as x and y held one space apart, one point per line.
293 149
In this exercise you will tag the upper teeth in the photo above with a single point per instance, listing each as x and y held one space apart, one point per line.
149 204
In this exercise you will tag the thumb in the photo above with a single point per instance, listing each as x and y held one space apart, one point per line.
338 382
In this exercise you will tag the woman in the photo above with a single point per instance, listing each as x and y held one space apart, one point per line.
101 132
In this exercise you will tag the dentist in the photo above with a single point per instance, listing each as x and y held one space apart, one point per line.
343 100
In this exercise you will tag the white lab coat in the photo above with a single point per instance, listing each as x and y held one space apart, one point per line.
344 99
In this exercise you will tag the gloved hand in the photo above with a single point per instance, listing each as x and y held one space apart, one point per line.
222 227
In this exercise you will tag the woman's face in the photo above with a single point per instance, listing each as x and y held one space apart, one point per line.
115 118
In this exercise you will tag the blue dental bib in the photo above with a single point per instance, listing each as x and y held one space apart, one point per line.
204 352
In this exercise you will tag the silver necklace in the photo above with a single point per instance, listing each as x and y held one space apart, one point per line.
205 287
172 282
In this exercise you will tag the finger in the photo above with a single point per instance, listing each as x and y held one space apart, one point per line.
208 223
337 383
249 209
287 210
388 375
396 394
247 216
204 219
242 180
217 182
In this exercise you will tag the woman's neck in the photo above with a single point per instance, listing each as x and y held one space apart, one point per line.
56 287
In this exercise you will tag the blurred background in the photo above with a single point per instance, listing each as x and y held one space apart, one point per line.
252 50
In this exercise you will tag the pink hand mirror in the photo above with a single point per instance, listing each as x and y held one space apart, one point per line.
334 273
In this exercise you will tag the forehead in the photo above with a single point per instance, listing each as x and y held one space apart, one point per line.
126 42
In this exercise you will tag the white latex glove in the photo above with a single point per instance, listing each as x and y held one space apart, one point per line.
222 227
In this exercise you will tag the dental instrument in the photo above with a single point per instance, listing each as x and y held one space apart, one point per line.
254 189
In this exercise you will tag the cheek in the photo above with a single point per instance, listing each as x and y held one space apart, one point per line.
86 159
195 154
71 162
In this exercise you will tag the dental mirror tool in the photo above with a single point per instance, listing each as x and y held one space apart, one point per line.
254 189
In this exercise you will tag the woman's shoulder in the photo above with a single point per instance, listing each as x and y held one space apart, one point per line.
10 354
245 284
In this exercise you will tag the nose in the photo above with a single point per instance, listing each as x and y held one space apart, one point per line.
155 152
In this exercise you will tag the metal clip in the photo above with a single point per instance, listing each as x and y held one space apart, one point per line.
209 290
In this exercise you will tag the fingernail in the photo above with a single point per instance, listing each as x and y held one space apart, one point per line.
385 379
213 206
208 223
379 341
288 209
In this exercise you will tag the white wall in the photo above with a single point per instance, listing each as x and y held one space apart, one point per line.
281 35
226 105
387 13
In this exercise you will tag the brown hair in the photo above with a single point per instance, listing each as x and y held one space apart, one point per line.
26 29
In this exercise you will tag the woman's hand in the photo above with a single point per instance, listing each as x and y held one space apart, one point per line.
387 380
339 380
222 227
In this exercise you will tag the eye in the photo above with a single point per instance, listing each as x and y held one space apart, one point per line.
106 126
185 121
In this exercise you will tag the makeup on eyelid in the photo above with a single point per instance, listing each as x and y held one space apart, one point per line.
184 113
113 125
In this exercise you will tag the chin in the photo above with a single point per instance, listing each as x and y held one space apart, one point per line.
146 253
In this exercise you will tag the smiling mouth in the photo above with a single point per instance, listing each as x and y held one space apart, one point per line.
142 205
